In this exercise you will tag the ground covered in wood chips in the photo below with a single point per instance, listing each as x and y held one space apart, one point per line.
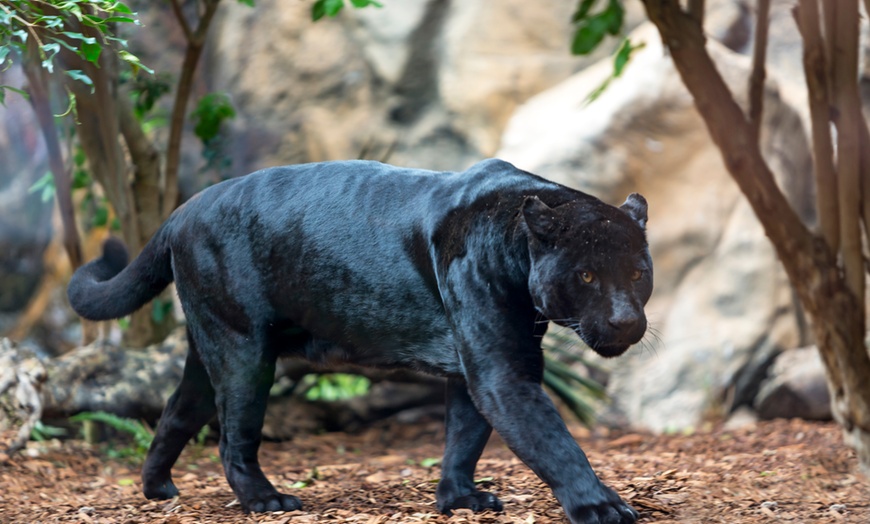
791 471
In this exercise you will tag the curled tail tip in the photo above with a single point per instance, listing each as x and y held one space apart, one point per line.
115 254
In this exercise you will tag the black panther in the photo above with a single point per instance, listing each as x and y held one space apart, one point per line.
454 274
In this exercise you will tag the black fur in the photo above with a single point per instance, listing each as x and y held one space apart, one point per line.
448 273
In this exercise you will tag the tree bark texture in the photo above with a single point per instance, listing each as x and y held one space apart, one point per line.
816 73
40 89
836 312
137 384
132 188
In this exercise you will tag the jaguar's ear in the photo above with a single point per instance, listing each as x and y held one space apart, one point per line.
539 217
635 206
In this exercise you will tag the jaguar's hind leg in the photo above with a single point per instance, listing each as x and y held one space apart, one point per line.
242 368
187 411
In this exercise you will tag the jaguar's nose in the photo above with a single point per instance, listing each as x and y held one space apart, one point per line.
624 322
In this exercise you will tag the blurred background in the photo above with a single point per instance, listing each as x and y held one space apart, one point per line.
442 84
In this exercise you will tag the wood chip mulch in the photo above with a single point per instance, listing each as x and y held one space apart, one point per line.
778 471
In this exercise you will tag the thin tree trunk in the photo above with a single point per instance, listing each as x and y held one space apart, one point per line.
100 116
845 90
195 42
756 79
40 99
816 72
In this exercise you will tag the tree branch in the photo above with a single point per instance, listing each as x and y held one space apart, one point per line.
696 11
729 128
185 84
756 78
847 101
182 21
817 73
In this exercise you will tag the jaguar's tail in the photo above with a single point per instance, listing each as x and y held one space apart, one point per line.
108 288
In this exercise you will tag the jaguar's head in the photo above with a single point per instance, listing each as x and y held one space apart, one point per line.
590 268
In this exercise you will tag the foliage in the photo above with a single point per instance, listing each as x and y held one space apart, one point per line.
45 187
147 90
212 110
210 113
592 27
82 27
323 8
42 432
330 387
142 434
620 60
579 393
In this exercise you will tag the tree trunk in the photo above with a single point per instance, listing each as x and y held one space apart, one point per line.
103 115
137 384
837 314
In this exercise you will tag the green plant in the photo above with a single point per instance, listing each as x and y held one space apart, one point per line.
322 8
591 29
330 387
212 110
42 432
579 393
142 434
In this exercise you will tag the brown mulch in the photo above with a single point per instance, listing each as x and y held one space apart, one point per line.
791 471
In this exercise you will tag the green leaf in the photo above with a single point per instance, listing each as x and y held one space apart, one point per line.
121 8
597 92
623 55
589 35
583 10
323 8
247 2
3 89
48 51
101 216
160 309
359 4
81 179
45 186
318 10
613 16
429 462
121 19
134 62
4 52
210 113
91 52
79 36
76 74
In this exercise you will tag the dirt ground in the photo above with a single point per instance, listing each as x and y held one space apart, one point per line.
792 471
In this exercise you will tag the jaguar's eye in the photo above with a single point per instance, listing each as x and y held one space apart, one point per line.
635 276
587 276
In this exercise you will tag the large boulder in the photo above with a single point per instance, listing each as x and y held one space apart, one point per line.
722 306
795 387
423 83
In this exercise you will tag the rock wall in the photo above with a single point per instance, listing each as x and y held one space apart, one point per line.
428 83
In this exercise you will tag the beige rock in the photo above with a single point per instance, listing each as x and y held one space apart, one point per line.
498 54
